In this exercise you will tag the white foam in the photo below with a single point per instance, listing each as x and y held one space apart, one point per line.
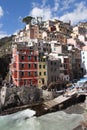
52 121
23 114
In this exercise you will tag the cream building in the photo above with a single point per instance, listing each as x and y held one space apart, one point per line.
42 71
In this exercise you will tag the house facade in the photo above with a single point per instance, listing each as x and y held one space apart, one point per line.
42 71
53 72
24 65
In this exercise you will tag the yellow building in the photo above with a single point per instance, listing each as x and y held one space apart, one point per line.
42 72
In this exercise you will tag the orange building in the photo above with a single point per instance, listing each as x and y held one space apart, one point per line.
23 67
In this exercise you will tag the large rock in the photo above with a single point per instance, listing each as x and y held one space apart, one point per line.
19 95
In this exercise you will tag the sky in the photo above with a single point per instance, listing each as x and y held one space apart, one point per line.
13 11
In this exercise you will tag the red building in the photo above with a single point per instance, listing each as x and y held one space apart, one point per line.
24 65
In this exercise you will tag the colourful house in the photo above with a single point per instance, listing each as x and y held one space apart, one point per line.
24 65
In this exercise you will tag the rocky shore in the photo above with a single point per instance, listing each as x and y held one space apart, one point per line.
75 109
78 109
33 97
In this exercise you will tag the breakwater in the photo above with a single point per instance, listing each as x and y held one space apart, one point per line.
40 107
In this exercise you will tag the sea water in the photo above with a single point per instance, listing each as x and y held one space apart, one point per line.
25 120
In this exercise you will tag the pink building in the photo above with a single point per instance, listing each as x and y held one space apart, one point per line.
76 42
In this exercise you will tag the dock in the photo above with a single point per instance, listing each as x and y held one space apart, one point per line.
60 100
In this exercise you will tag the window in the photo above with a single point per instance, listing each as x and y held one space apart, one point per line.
54 63
35 66
29 74
22 73
29 66
43 81
35 58
29 57
44 66
83 57
65 66
39 81
44 60
22 65
35 73
61 65
22 57
40 66
51 62
39 73
44 73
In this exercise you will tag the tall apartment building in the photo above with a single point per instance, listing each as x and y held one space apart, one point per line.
24 65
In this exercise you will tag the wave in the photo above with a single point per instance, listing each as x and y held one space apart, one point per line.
21 114
60 121
52 121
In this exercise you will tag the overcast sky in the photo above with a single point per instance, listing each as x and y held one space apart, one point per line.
13 11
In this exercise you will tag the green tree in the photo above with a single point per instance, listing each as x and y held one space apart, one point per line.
27 19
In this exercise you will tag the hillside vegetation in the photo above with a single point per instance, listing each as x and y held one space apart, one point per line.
5 55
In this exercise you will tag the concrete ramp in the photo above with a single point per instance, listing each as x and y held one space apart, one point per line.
59 100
